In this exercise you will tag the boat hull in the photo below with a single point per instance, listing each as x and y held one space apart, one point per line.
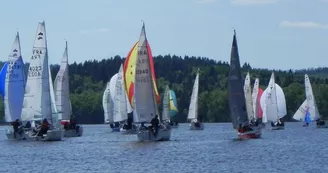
256 133
193 127
73 133
163 134
25 135
115 129
52 135
132 131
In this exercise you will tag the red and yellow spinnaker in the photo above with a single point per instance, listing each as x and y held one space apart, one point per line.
129 72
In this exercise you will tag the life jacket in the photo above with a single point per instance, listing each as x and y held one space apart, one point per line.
45 125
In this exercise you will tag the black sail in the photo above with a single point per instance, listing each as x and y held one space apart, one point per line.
237 103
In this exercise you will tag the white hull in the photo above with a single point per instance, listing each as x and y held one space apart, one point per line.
193 127
147 135
25 135
52 135
73 133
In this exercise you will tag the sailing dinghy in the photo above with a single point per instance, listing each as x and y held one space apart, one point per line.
274 104
195 120
237 102
145 106
308 111
14 86
62 100
38 103
121 106
108 106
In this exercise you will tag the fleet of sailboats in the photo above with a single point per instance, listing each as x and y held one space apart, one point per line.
131 98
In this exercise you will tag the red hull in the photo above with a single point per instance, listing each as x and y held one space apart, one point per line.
250 135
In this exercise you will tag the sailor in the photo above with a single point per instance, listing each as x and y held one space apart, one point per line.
44 127
16 124
240 129
154 123
27 125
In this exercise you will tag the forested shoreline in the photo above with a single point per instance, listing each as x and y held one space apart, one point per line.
88 80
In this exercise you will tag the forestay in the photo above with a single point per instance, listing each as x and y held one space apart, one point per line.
193 106
107 105
235 89
120 98
61 88
145 106
14 83
248 97
37 101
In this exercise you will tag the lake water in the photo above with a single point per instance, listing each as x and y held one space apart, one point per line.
213 150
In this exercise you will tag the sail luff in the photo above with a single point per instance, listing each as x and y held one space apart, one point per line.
166 104
193 106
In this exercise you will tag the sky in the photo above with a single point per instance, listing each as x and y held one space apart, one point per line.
274 34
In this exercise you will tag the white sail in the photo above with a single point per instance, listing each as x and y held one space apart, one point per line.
107 104
52 94
112 85
301 111
193 106
254 97
120 106
61 88
166 104
14 83
248 97
313 110
145 106
271 101
37 101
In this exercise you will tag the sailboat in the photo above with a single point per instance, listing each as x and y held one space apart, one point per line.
274 104
14 85
237 101
107 105
145 106
308 111
248 98
195 119
122 106
173 106
62 100
37 103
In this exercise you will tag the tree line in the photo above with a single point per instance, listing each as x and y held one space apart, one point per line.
88 81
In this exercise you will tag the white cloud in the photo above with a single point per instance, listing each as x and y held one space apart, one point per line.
205 1
253 2
303 24
84 32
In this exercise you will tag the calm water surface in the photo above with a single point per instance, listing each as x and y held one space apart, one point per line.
213 150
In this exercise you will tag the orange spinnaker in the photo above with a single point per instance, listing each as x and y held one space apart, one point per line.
129 72
259 109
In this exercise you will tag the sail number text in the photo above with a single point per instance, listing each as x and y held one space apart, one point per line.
34 71
144 71
11 70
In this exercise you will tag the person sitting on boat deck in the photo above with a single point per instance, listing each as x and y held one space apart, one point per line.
154 124
143 127
73 125
27 125
240 129
44 127
17 127
66 125
320 122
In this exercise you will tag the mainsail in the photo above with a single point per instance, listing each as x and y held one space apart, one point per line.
37 100
237 103
254 98
145 106
14 83
108 105
248 97
61 88
120 102
173 104
311 103
193 106
166 104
